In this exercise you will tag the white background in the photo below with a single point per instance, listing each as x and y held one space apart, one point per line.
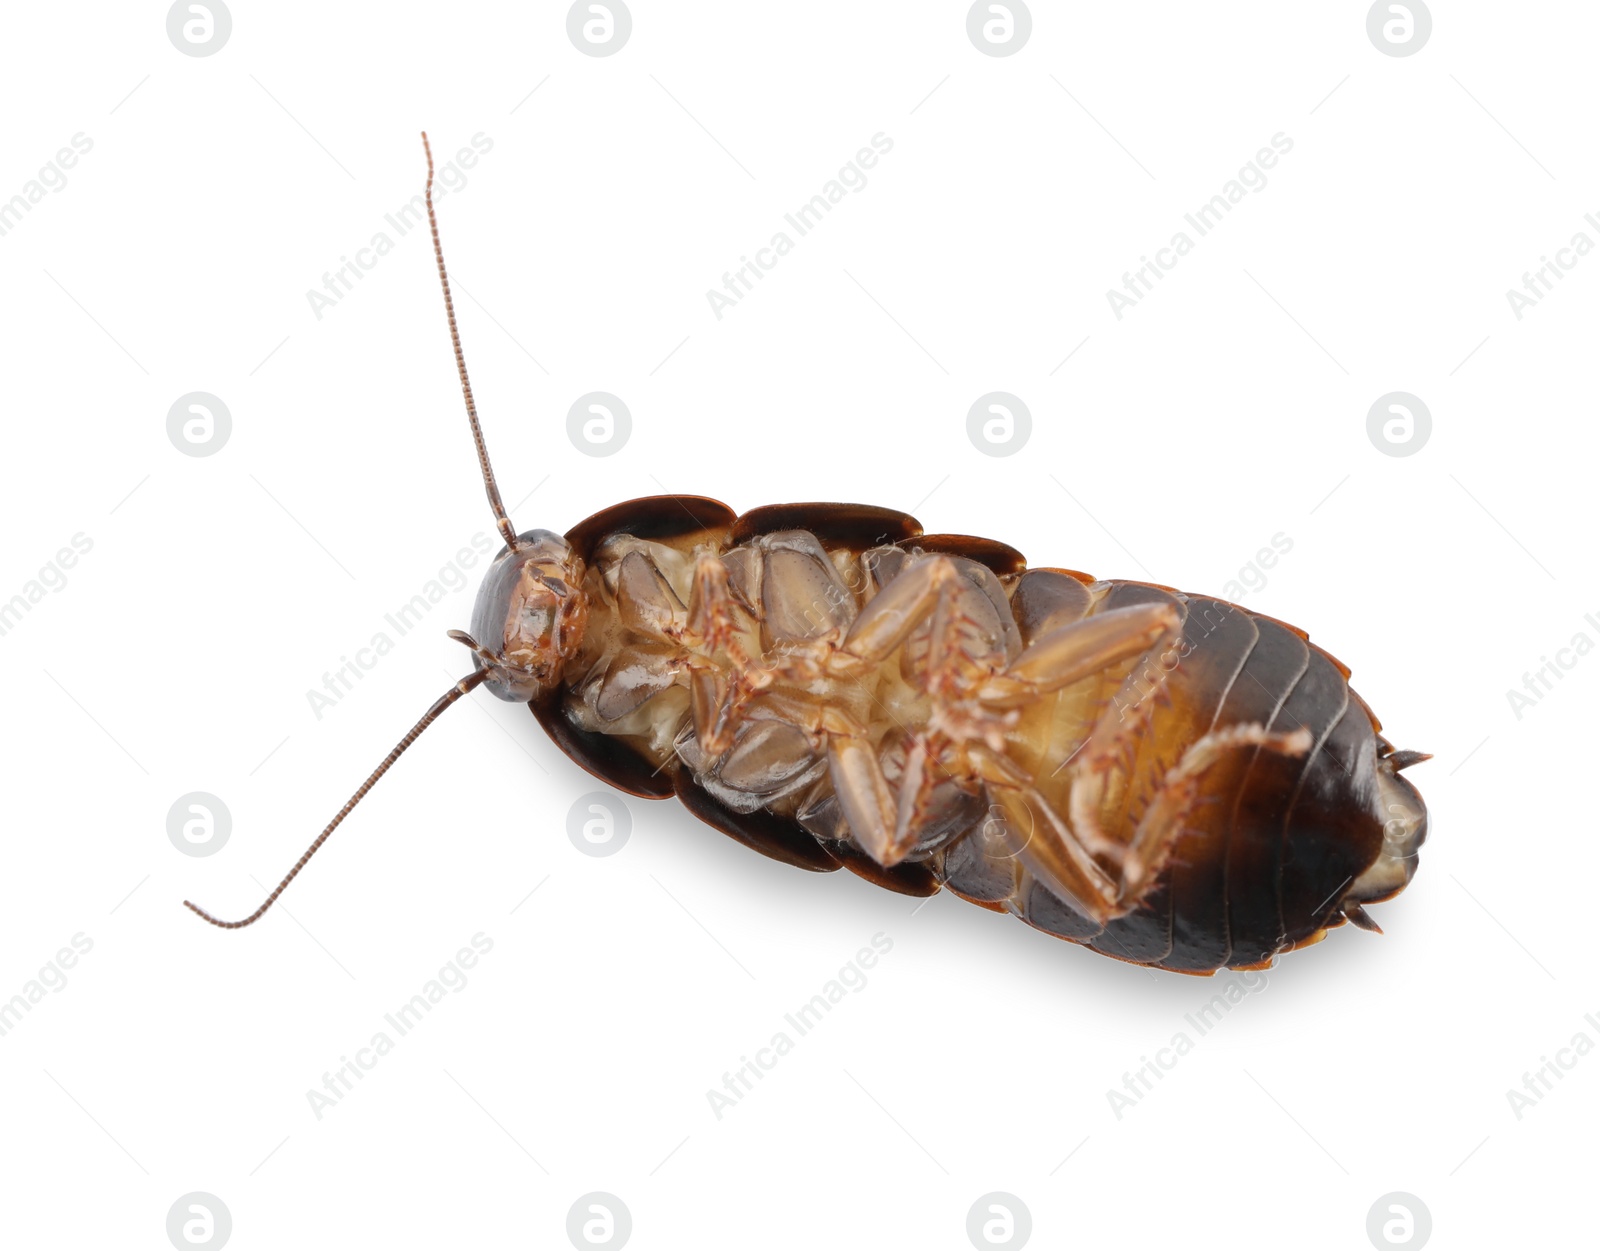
1229 406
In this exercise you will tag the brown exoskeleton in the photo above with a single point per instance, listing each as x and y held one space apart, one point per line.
1166 778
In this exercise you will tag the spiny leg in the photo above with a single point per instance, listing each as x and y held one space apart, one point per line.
1068 654
968 700
1080 648
886 819
1162 822
1062 853
932 755
718 694
1111 747
929 591
918 778
885 825
711 604
1057 854
894 612
864 796
1050 849
926 592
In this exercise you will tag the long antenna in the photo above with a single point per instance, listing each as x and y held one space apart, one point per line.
444 701
507 530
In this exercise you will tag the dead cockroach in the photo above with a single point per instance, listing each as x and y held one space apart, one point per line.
1165 778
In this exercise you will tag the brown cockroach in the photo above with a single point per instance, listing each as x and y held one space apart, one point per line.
1163 777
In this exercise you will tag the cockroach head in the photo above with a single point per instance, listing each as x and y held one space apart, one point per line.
530 616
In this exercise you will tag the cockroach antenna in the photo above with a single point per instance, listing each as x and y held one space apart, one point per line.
463 687
507 530
466 684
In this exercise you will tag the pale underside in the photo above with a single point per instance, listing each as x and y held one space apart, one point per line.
912 705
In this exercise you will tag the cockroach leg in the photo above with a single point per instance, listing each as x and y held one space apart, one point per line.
918 778
1162 822
864 796
712 623
718 696
1073 651
1049 848
711 707
892 614
1110 748
885 825
928 591
814 716
1062 857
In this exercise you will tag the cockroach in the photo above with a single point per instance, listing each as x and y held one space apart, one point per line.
1162 777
